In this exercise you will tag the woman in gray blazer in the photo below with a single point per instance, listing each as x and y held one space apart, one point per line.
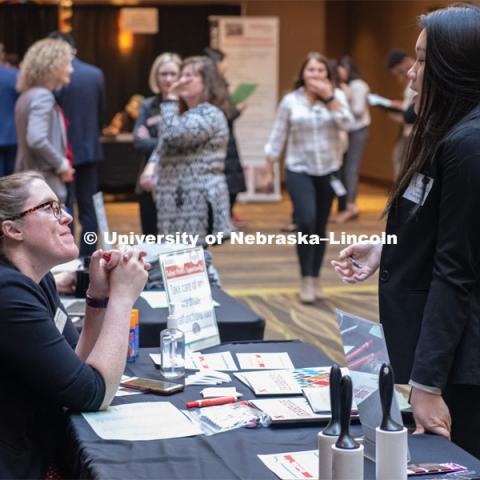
41 130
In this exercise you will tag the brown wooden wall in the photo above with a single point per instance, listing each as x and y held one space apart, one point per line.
365 29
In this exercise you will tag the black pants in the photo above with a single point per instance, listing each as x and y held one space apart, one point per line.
85 185
148 213
312 199
233 199
463 402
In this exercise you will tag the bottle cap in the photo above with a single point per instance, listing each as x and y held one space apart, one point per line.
134 318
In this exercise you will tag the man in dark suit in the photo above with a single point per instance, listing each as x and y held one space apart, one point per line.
8 135
83 104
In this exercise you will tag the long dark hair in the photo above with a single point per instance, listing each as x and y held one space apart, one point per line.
353 73
450 89
299 81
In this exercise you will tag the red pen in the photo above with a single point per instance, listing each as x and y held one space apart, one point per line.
210 402
364 360
359 350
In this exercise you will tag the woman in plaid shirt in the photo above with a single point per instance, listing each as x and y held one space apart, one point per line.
309 120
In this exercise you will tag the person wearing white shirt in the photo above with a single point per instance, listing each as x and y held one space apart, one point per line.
308 121
357 137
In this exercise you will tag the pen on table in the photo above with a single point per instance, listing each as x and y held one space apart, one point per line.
354 262
209 402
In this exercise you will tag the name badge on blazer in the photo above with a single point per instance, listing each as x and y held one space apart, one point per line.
60 319
419 188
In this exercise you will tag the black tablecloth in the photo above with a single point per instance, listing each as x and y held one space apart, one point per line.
229 455
236 321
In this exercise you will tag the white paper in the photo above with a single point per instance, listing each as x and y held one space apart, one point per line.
319 399
271 382
208 377
222 361
156 299
293 465
266 361
220 392
186 282
288 409
141 421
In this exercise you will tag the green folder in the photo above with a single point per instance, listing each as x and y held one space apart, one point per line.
242 92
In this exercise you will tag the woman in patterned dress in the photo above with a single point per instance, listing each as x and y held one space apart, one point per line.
191 190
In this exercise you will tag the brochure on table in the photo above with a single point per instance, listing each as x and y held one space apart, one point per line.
188 289
289 410
367 351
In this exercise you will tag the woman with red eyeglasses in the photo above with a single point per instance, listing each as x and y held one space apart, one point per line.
46 365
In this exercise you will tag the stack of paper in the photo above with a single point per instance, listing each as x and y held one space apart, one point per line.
222 361
270 382
213 392
285 382
208 377
199 361
266 361
289 410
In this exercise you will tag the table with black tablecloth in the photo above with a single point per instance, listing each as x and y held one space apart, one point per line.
236 321
229 455
122 164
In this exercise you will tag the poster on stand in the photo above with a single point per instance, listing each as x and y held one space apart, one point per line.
188 290
251 45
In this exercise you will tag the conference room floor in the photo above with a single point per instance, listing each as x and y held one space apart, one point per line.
266 277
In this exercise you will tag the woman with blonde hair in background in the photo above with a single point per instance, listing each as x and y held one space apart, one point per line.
309 120
164 72
191 189
41 129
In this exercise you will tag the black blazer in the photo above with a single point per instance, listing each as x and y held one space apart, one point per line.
429 283
83 102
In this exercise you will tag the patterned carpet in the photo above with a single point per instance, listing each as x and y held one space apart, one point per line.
287 318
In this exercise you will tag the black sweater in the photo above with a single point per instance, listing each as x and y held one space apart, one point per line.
40 374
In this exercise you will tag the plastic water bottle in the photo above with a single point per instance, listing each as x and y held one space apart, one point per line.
172 351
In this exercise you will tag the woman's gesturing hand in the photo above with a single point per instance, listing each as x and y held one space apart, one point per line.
357 262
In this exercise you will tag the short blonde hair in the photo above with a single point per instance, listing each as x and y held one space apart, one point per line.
42 63
159 61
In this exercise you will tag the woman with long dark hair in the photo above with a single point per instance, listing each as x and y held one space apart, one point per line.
233 166
429 284
357 137
309 120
